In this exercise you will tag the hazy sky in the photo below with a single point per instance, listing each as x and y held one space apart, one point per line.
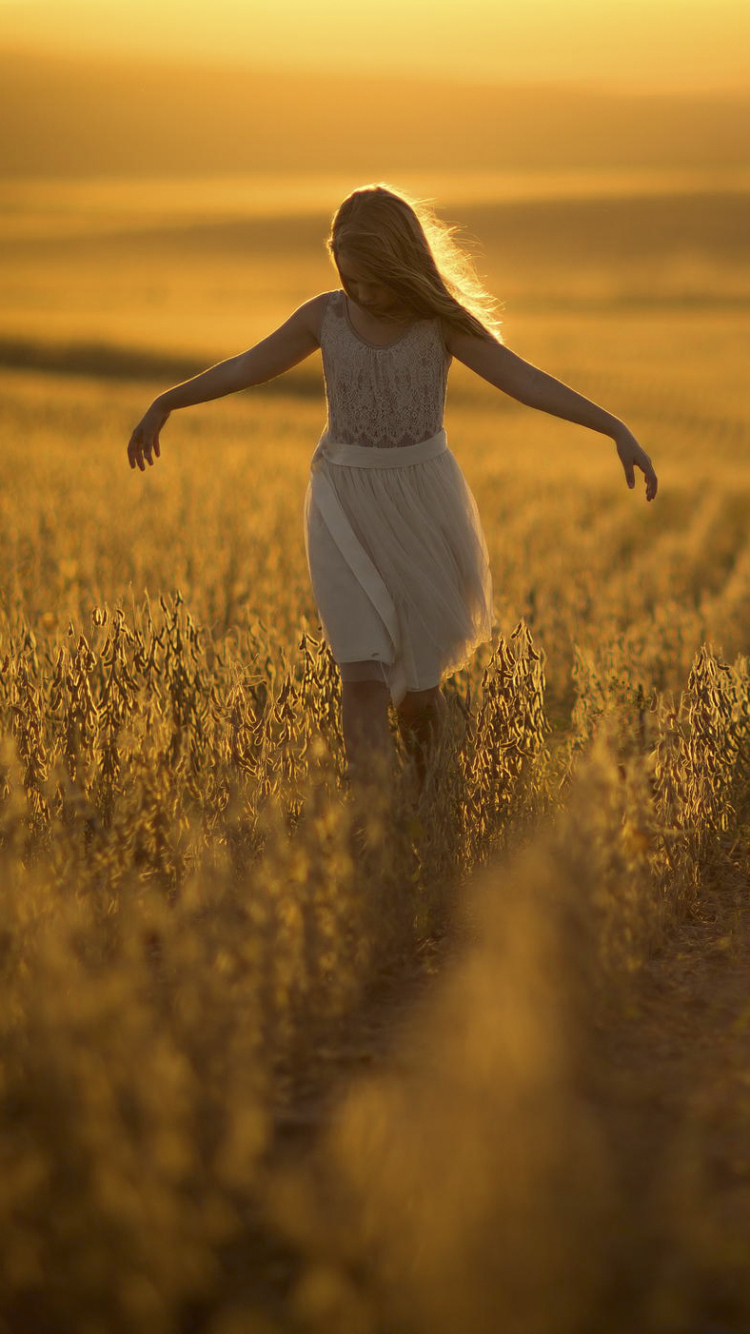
667 44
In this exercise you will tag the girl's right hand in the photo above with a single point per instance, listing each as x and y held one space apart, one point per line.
633 456
144 442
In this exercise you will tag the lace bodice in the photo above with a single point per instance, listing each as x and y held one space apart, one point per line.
384 396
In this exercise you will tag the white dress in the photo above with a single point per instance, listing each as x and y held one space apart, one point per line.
395 548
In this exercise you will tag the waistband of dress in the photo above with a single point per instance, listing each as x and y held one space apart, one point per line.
375 456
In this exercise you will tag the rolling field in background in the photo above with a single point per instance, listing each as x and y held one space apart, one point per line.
194 913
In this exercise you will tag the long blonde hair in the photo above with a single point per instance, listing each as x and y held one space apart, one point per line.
400 242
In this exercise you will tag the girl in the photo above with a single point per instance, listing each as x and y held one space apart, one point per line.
395 548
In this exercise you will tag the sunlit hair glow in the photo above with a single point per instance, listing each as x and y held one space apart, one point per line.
400 242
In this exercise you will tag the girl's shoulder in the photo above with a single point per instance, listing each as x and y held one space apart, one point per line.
318 306
448 333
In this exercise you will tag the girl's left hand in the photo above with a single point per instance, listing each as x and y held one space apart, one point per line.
633 456
144 442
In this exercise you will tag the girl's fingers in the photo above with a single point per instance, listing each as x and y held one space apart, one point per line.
651 479
135 454
632 457
647 468
138 451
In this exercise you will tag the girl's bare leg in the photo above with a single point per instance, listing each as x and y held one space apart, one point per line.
421 721
367 733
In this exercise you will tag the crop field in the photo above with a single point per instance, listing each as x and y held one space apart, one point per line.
473 1061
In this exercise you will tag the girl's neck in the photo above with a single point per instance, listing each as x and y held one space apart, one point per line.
374 328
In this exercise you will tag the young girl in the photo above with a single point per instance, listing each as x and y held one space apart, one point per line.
395 548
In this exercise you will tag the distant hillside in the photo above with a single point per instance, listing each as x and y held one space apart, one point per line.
62 116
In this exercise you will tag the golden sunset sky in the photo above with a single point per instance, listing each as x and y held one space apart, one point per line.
667 45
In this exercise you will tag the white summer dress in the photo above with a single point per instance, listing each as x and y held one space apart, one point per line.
395 548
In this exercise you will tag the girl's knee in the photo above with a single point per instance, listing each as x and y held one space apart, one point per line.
422 703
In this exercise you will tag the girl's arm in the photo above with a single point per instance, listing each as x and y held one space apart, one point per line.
518 378
284 348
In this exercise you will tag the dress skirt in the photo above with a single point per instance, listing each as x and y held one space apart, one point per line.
398 562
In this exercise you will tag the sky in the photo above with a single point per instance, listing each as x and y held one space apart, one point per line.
634 45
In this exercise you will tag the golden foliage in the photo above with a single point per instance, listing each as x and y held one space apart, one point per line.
191 902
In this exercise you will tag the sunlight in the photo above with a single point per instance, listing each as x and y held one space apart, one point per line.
657 44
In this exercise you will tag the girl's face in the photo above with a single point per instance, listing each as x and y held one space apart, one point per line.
373 297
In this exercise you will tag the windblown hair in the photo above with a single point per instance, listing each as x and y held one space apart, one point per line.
400 242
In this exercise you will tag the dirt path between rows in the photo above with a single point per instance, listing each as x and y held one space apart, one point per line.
260 1269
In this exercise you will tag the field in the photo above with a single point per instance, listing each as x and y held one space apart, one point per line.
476 1061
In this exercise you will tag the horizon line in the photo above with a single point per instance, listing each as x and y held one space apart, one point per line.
233 65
